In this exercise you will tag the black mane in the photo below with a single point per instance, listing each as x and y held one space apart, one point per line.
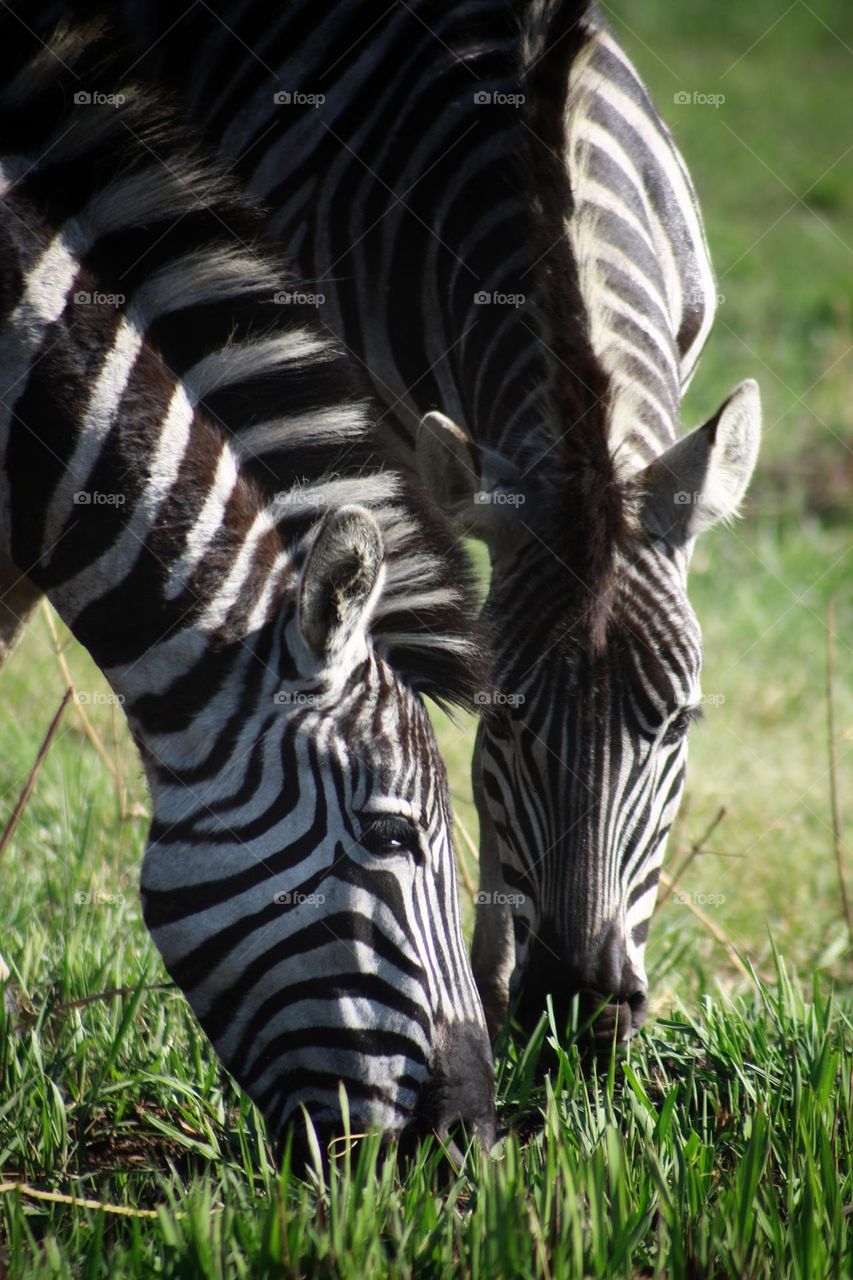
584 507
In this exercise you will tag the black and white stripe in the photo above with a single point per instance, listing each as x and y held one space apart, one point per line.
580 776
639 244
403 198
406 197
396 192
191 472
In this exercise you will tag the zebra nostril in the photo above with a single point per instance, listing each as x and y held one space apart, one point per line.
611 1017
612 974
615 1009
455 1137
598 992
456 1132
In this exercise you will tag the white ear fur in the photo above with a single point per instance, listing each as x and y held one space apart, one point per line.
340 581
702 478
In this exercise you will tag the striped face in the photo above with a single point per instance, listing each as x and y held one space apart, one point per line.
312 916
579 774
304 897
579 762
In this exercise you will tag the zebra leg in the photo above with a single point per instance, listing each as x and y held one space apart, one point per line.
493 948
18 599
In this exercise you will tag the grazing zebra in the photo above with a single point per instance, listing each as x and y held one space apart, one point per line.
191 474
505 232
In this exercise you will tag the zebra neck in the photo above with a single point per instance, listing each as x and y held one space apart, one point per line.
447 320
121 500
639 244
131 275
463 233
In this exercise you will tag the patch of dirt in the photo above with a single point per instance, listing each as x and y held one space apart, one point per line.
134 1145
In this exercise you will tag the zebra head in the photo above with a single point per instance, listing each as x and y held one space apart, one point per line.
309 908
580 758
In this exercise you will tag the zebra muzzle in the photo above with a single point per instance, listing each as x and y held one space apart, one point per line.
600 994
457 1102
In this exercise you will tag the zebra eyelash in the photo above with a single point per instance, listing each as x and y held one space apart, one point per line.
678 727
390 835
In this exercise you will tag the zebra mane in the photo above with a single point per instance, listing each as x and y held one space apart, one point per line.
587 508
169 233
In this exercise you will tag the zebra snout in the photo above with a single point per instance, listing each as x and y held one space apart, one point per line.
458 1101
611 1017
612 997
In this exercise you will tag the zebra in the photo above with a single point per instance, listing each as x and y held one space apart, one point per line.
191 474
508 238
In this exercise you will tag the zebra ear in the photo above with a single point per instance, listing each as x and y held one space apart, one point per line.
702 478
340 581
465 479
448 462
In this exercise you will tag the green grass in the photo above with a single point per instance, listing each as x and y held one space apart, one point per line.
722 1145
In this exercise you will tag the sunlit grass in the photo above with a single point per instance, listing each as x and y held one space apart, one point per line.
720 1146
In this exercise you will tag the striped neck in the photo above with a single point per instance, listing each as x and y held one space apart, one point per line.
449 320
178 292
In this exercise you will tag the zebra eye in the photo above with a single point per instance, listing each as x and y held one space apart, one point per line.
678 727
387 836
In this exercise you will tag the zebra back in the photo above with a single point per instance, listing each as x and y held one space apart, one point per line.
407 158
